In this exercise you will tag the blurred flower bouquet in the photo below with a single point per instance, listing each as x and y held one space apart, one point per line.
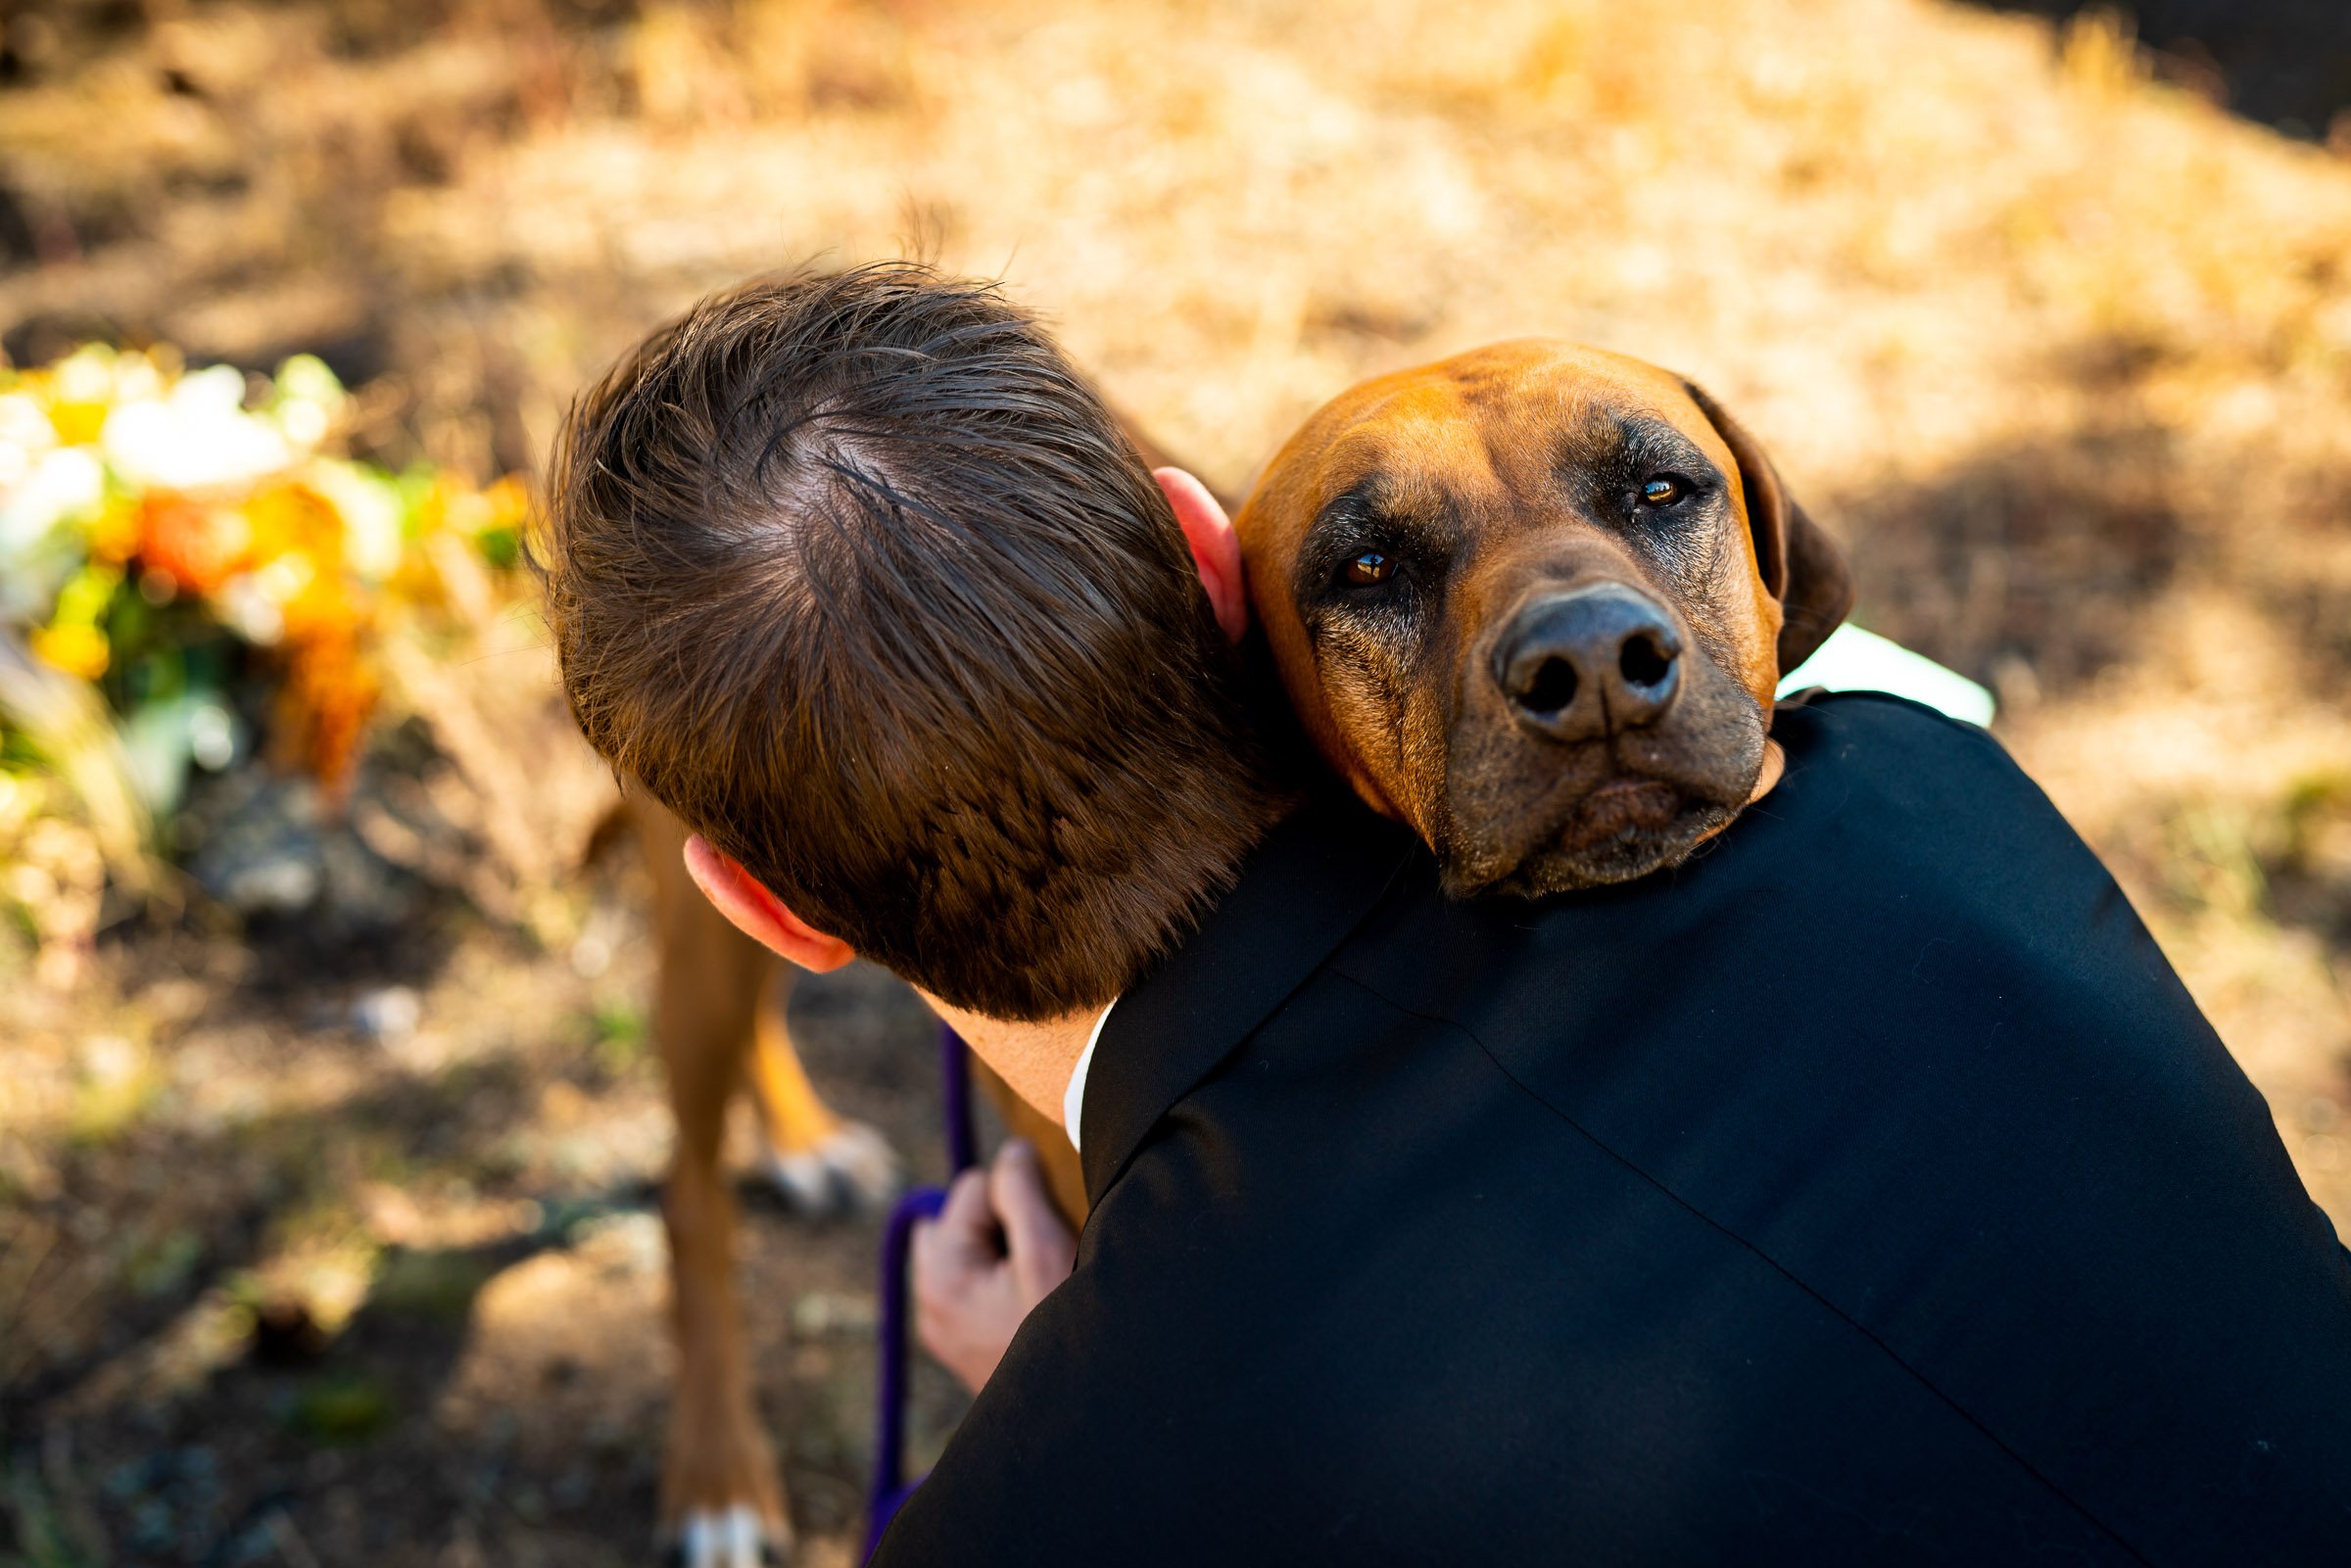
188 574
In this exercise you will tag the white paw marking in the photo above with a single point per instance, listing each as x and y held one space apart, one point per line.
854 1167
730 1537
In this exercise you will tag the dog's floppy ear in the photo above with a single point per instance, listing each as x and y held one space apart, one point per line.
1802 567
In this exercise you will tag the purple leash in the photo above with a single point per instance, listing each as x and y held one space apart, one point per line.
891 1487
955 1101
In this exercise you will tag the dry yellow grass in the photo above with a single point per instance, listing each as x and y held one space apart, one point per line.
2064 354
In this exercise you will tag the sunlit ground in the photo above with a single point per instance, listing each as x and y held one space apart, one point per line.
2063 354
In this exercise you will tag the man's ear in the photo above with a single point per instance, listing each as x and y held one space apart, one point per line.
1216 548
1802 567
759 914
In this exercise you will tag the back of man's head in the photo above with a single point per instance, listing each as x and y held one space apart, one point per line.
858 575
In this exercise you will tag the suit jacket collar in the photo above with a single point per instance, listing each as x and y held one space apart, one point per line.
1301 892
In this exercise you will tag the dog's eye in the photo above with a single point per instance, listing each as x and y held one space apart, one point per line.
1369 570
1663 490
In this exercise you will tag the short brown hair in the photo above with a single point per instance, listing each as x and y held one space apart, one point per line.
859 577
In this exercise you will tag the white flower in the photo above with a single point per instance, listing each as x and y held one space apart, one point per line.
250 608
61 483
196 436
24 434
371 509
307 400
87 375
211 736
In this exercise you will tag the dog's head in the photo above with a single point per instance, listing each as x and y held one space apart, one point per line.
1533 600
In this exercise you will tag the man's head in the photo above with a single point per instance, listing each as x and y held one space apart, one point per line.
858 575
1534 601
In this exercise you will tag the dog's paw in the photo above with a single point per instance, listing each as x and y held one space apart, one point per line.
852 1168
728 1538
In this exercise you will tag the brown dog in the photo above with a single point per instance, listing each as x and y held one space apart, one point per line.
1533 600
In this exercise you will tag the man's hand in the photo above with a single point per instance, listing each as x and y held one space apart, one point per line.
993 1253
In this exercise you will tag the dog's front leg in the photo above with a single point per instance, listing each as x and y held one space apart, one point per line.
722 1500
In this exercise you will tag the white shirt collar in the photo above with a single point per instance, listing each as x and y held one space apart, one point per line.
1073 1098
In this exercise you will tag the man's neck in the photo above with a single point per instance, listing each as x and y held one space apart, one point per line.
1034 1059
1037 1059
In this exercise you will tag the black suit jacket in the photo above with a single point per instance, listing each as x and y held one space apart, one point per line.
1866 1190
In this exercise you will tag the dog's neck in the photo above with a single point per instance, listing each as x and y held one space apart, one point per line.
1034 1059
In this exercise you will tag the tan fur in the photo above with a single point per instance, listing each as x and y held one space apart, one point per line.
719 998
1487 441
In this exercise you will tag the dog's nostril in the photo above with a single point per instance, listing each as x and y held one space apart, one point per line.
1552 687
1643 662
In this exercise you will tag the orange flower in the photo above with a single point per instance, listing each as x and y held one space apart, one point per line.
326 609
329 691
292 518
198 546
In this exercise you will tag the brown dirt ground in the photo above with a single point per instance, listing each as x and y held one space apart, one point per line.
2063 353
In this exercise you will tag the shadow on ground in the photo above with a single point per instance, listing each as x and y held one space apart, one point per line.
187 1384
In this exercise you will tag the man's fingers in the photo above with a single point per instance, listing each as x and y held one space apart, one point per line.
963 1236
1040 1244
966 1208
973 1286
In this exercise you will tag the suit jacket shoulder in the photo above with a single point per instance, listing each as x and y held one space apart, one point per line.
1866 1189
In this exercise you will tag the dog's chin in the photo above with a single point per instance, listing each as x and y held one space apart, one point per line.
1625 830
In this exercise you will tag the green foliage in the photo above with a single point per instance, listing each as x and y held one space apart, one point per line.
622 1034
341 1407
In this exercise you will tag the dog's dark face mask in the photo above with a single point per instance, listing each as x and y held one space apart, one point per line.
1534 601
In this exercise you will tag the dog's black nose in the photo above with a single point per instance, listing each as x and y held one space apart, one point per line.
1590 662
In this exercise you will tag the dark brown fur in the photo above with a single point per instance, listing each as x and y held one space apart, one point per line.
859 577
